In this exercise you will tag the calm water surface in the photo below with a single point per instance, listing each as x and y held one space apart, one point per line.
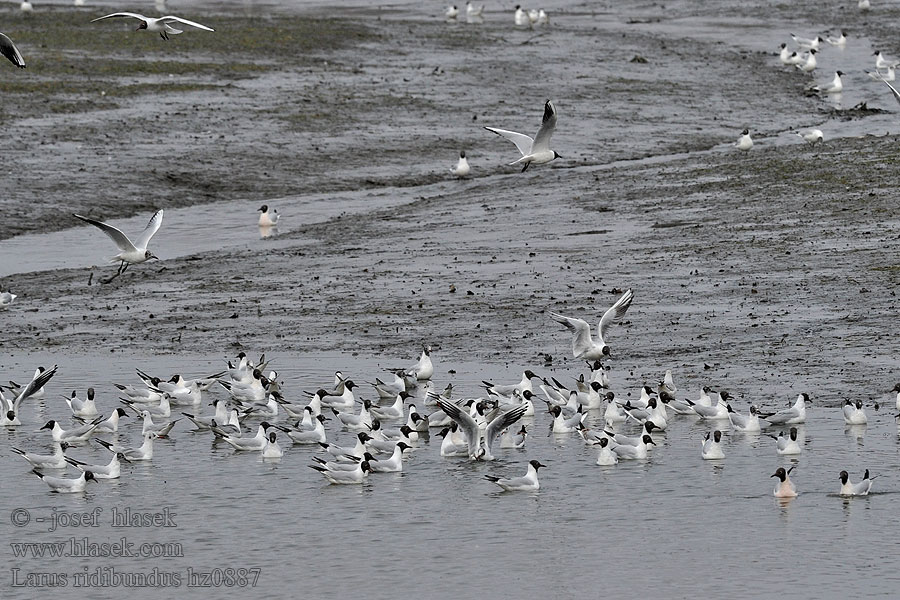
673 525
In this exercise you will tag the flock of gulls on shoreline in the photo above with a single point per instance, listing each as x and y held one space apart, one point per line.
382 431
469 428
805 59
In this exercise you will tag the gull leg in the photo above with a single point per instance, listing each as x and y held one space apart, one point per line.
525 168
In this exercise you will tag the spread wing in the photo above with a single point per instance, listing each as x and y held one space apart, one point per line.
121 14
893 89
502 422
115 234
548 126
151 228
615 314
466 422
35 384
170 19
522 141
582 330
9 50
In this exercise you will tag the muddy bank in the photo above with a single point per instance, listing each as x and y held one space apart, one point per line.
771 271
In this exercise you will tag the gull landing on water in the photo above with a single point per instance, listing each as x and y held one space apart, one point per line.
160 25
131 253
534 151
583 346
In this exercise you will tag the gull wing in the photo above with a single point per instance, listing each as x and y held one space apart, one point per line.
9 50
548 126
115 234
582 340
121 14
893 89
151 228
35 384
615 314
502 422
522 141
466 422
170 19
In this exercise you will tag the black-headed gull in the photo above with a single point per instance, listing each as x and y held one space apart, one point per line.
267 218
854 413
629 452
357 475
521 17
745 142
785 55
10 406
812 136
711 449
9 50
747 424
882 63
142 452
527 483
534 151
111 470
855 489
808 65
787 446
64 485
606 457
835 86
889 74
479 444
57 460
807 43
6 298
272 449
784 487
130 253
160 25
451 12
840 41
462 165
794 415
583 346
392 464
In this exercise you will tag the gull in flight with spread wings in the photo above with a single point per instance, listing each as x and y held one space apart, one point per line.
160 25
534 151
131 253
583 346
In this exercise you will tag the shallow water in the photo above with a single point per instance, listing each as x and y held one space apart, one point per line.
673 526
440 526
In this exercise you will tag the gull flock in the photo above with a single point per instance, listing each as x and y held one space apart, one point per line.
380 436
804 57
348 439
